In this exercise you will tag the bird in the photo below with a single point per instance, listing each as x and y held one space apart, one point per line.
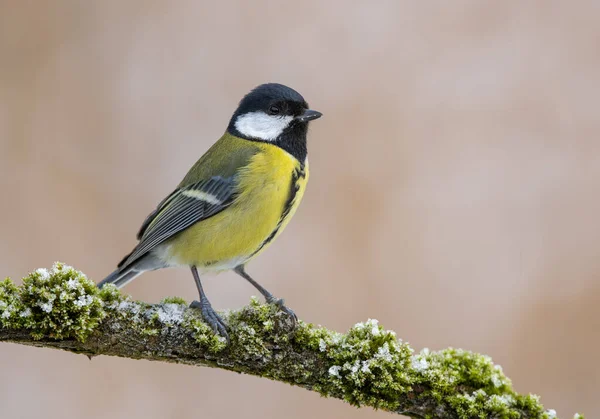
234 201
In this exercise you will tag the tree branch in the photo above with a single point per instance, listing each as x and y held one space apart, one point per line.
368 366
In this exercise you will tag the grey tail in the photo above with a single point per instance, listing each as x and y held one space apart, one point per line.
127 273
120 278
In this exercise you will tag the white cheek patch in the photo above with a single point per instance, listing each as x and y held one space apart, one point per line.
262 126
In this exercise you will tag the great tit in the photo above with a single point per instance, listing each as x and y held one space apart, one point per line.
234 201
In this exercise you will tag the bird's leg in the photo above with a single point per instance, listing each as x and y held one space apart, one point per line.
209 314
279 302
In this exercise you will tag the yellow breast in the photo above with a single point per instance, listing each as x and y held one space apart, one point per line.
269 191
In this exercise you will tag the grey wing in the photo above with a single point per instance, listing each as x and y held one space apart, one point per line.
153 214
184 207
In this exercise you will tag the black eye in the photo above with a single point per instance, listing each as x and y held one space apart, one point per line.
274 110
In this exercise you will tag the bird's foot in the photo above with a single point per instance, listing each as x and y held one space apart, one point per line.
280 303
211 317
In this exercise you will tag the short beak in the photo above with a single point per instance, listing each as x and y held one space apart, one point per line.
309 115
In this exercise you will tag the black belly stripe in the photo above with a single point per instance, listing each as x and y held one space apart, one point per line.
297 174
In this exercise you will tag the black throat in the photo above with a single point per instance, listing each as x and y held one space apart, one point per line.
292 140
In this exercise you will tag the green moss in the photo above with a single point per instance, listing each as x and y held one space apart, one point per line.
111 296
481 405
368 365
10 304
62 303
58 303
473 386
202 332
174 300
255 330
448 369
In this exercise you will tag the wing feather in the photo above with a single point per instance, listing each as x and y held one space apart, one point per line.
184 207
153 214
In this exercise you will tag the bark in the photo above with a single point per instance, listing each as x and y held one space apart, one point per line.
367 366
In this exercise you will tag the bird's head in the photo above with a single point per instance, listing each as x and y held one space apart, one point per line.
273 113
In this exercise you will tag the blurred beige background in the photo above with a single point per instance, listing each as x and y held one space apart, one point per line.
454 193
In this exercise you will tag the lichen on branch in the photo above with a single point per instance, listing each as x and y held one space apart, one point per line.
367 366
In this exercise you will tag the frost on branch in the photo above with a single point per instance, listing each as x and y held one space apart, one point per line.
367 366
59 303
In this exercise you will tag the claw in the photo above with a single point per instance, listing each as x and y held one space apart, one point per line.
280 302
211 318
